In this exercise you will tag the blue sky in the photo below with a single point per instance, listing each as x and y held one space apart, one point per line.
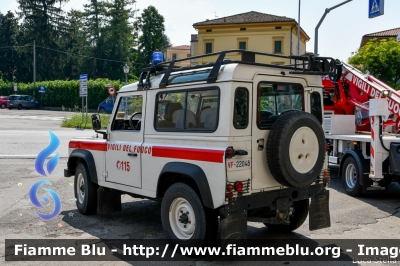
339 35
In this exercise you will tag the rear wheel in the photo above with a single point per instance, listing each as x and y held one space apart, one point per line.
3 106
85 191
184 218
351 177
299 216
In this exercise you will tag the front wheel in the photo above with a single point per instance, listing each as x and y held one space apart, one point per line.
19 107
351 177
299 216
3 106
85 191
184 218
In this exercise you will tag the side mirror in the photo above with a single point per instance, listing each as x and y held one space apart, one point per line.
96 123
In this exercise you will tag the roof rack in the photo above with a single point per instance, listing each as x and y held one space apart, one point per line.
304 64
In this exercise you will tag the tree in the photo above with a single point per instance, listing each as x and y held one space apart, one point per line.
8 55
381 59
45 23
152 37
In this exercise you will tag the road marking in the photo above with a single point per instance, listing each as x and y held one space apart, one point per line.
34 117
24 156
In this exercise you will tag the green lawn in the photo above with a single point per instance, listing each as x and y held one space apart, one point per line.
75 121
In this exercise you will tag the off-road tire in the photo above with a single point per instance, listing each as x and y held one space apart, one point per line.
89 203
206 220
351 177
300 214
296 137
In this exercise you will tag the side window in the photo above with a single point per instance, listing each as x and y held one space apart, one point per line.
275 98
194 110
316 109
129 113
328 97
241 108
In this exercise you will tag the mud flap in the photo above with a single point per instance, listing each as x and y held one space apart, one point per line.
234 226
108 200
319 211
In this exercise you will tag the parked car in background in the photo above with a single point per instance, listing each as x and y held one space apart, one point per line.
22 101
3 102
106 106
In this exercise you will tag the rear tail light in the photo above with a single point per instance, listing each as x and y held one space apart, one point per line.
229 195
229 152
239 186
326 176
229 187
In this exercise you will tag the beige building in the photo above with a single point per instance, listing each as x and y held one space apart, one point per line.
250 31
177 52
386 34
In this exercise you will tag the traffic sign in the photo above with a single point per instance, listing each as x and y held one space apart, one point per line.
15 87
376 8
83 88
41 90
111 90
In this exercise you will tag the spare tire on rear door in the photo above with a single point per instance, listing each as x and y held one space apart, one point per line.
296 149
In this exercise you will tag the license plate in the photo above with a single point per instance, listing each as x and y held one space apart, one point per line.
238 164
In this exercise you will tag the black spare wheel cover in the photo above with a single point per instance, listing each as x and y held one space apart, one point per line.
296 149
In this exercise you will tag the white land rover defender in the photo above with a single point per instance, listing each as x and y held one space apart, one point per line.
229 141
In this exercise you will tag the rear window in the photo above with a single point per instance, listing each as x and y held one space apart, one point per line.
274 98
12 98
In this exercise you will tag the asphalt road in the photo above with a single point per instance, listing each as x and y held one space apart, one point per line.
25 133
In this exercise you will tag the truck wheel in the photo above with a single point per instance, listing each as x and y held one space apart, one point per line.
351 177
184 218
85 191
300 214
296 149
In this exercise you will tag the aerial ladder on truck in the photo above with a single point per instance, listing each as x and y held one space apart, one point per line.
367 162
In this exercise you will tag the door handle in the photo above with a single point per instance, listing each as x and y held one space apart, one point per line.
132 154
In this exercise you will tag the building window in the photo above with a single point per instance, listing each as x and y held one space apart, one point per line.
242 45
209 30
242 29
188 55
208 48
278 27
174 57
278 47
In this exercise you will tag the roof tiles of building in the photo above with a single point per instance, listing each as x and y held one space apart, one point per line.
180 47
384 33
248 17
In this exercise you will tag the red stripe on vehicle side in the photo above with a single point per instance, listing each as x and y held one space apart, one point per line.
215 156
88 145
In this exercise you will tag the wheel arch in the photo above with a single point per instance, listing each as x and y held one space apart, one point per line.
86 157
359 158
190 174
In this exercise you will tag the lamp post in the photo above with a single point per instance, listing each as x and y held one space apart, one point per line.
320 22
126 71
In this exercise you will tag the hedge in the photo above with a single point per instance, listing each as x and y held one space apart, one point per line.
62 93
